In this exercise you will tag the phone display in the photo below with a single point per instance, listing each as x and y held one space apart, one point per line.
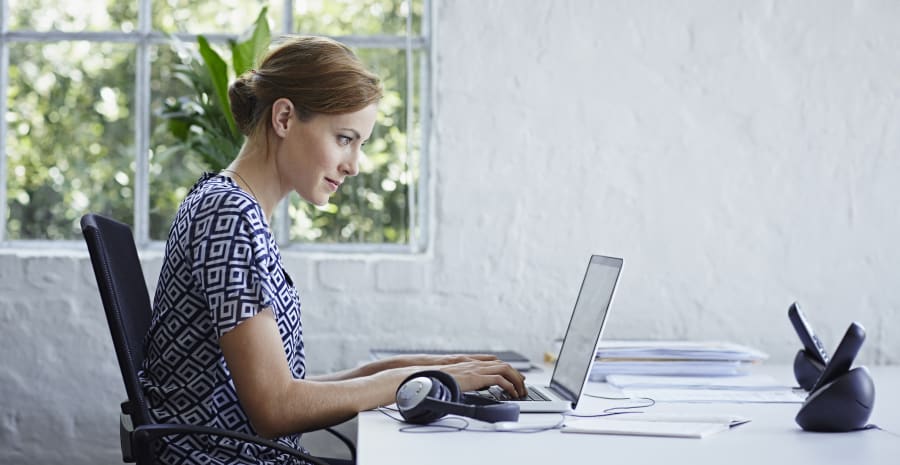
844 355
811 343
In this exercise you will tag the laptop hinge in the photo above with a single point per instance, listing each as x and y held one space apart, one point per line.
562 392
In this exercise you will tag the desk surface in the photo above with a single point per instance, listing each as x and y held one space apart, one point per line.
770 438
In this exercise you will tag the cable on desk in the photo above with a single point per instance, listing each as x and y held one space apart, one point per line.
429 428
537 429
871 426
597 415
437 427
610 411
445 428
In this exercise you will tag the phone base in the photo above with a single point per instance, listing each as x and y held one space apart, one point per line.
807 369
844 404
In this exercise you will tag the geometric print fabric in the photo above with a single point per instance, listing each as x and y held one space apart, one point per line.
221 267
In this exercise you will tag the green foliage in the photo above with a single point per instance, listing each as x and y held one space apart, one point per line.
70 142
246 51
201 121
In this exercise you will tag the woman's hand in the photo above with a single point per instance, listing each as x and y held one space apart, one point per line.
416 361
471 371
478 374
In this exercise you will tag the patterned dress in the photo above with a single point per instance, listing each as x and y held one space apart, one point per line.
221 267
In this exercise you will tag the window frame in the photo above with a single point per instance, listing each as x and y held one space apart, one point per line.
144 37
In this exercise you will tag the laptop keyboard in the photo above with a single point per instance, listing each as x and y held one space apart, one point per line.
497 393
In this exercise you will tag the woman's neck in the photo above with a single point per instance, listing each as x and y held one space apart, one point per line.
255 172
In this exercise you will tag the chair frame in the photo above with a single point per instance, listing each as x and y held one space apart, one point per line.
116 264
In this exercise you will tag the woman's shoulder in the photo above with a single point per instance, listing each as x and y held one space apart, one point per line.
217 200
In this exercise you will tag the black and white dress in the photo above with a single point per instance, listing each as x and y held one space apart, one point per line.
221 267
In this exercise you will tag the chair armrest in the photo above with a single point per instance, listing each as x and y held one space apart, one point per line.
125 430
347 442
144 435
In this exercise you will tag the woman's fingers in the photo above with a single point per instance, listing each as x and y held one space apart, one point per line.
483 373
485 357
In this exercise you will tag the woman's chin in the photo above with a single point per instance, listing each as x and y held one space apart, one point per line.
319 200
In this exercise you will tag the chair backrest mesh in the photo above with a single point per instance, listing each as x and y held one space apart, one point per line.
126 302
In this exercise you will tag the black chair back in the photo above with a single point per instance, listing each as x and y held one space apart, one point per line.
126 302
123 290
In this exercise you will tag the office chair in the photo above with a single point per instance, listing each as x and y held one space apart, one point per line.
123 290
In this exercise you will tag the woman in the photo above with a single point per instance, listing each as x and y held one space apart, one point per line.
225 348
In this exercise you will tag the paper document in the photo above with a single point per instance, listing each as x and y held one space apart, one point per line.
678 350
643 428
730 420
603 368
785 395
751 382
673 358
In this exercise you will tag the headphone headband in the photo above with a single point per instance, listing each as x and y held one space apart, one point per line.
427 396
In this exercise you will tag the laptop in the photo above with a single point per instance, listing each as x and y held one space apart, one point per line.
570 374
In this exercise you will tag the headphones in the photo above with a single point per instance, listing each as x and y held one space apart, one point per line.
427 396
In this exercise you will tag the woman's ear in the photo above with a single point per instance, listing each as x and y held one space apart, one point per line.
282 115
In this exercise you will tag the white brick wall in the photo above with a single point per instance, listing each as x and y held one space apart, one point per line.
739 155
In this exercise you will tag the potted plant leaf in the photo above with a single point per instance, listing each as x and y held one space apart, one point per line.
201 120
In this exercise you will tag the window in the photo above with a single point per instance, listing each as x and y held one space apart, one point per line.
81 84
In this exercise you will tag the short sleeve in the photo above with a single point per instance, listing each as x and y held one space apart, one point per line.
231 261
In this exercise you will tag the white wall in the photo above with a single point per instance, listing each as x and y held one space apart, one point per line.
739 155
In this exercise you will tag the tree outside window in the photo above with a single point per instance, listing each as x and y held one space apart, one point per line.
85 81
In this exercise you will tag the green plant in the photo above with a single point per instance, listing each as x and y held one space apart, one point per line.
201 121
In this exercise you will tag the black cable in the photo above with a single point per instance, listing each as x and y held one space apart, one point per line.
436 427
610 411
595 396
871 426
441 428
535 429
650 404
383 412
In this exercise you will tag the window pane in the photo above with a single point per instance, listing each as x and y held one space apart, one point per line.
70 139
83 15
213 16
173 168
356 17
371 207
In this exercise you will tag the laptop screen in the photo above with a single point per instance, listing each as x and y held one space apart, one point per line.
580 344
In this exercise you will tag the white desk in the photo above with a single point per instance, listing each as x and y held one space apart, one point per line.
772 437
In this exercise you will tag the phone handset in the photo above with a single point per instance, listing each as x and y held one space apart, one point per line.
843 357
842 398
811 360
811 342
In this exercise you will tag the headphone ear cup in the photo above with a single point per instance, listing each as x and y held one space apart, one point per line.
416 388
447 381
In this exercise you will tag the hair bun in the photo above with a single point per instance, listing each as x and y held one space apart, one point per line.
243 102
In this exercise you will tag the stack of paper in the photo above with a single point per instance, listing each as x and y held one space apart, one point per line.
675 358
746 388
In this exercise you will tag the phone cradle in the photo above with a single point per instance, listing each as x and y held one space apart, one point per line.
807 369
841 405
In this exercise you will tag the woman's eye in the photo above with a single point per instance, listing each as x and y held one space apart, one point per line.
344 140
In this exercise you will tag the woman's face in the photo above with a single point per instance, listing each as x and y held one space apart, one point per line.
317 155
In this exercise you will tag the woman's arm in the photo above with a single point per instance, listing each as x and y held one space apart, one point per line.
277 404
401 361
